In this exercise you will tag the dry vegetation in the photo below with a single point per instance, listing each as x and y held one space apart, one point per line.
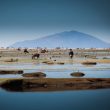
60 56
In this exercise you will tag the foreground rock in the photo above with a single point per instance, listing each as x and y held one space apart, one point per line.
11 71
77 74
55 84
36 74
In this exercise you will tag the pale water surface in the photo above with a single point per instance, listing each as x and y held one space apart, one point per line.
61 71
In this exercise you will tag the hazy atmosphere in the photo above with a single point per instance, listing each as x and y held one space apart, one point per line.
55 54
30 19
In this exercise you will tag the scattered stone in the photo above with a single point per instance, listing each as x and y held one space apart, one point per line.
50 63
44 61
11 71
89 63
77 74
61 63
36 74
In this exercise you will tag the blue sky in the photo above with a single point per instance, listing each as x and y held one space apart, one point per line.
30 19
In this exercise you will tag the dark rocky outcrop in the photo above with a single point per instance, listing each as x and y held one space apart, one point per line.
48 62
54 84
77 74
36 74
44 61
13 85
61 63
89 63
11 71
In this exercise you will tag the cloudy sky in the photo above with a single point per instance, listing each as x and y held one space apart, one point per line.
30 19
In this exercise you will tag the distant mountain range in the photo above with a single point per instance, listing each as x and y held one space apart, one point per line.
67 39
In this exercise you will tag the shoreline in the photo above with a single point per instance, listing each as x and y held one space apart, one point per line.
30 61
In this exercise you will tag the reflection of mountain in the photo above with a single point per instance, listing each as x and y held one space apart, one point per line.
67 39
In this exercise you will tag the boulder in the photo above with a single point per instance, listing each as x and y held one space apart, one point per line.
48 62
61 63
89 63
36 74
77 74
11 71
44 61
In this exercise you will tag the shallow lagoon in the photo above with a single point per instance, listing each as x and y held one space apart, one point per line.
98 99
61 71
